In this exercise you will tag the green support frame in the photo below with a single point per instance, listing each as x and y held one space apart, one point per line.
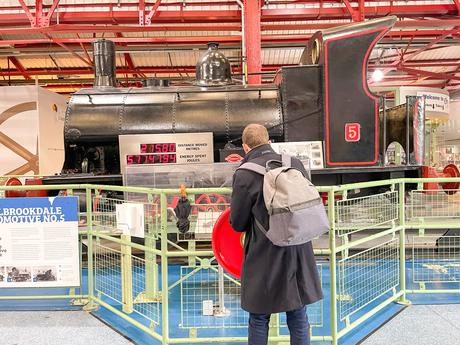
156 285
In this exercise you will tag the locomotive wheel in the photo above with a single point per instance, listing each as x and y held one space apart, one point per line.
450 170
210 202
15 147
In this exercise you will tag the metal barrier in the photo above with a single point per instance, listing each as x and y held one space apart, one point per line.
435 262
173 276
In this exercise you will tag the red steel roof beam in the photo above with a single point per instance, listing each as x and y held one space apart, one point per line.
404 57
439 35
129 60
361 11
19 67
417 63
78 28
226 16
252 17
353 13
154 12
454 72
431 44
141 12
457 3
45 20
423 73
287 14
122 4
38 12
88 57
27 12
122 70
58 42
173 69
179 40
40 19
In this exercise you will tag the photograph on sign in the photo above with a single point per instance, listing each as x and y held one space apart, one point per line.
39 242
18 274
44 273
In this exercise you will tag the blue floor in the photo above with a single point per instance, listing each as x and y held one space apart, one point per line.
141 338
175 330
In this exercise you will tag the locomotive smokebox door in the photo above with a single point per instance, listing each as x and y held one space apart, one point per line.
350 109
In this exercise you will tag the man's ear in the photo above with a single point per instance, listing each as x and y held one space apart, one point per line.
269 141
246 148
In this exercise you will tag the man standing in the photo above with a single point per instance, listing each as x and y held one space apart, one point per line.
273 279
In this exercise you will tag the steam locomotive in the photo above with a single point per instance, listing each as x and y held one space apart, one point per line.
325 98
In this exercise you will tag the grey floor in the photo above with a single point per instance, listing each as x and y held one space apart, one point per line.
421 325
56 328
416 325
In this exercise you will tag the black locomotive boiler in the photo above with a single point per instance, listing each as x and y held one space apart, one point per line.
325 98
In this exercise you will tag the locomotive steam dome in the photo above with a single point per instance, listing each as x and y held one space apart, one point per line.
213 69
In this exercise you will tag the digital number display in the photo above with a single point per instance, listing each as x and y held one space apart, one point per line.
151 159
158 148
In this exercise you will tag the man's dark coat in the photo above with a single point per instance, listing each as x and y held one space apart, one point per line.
274 279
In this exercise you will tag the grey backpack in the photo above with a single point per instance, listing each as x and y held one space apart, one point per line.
295 208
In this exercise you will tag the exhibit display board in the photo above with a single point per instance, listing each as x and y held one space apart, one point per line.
39 242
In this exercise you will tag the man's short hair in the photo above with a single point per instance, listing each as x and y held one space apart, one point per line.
255 135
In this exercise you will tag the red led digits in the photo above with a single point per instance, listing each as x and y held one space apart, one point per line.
155 158
158 148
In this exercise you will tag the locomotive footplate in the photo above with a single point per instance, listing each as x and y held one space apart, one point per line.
320 177
115 179
338 176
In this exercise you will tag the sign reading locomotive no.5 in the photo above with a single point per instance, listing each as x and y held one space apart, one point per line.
352 132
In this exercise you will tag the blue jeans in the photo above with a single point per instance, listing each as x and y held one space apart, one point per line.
297 321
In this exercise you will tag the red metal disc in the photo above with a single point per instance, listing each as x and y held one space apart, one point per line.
450 170
13 181
35 193
227 245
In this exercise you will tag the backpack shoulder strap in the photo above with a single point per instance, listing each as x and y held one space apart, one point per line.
286 160
259 169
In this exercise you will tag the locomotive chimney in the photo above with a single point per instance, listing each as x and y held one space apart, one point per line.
104 63
213 69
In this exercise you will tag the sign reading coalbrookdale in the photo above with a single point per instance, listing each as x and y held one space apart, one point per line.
32 215
39 242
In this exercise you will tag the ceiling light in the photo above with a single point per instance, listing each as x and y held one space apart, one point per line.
377 75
